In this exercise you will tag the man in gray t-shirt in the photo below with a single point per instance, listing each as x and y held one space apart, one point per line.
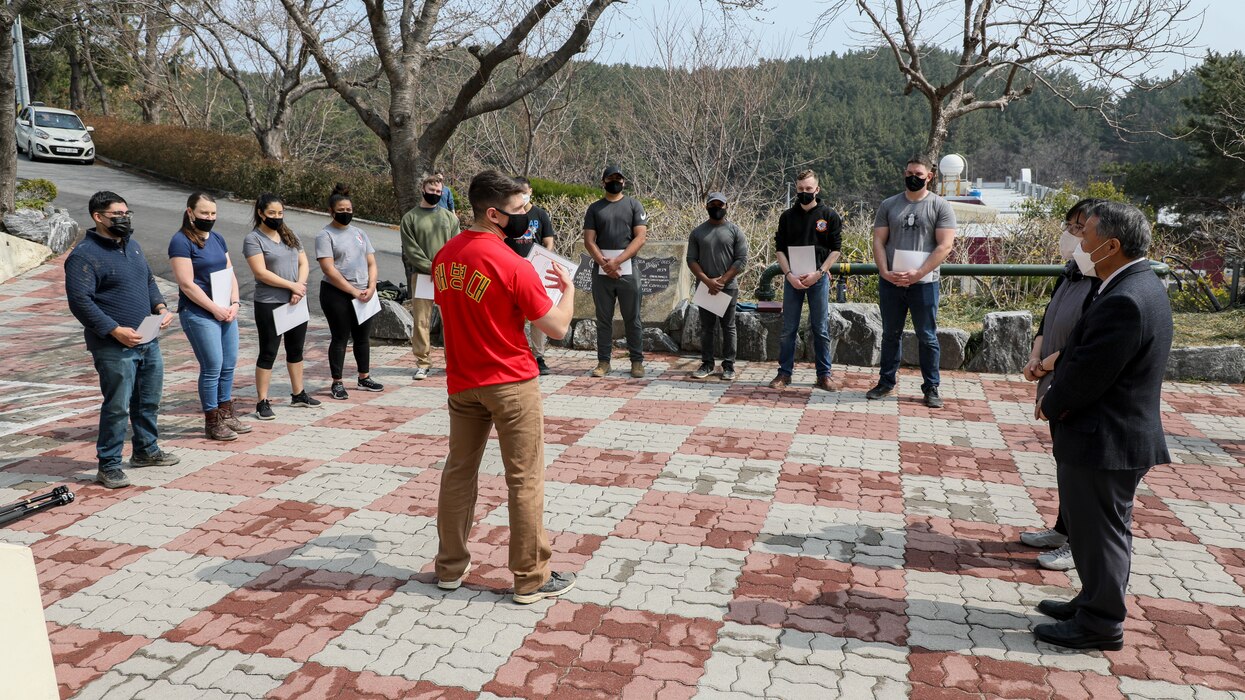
616 223
717 252
912 235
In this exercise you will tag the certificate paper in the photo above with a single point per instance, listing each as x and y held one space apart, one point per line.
287 316
543 260
907 260
424 288
624 269
149 329
716 304
221 282
802 258
363 310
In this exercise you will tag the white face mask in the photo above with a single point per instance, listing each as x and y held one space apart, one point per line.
1067 244
527 199
1085 261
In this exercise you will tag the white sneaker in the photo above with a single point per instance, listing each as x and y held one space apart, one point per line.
421 373
1043 538
453 585
1057 560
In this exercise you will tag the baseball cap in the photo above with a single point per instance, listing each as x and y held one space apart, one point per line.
613 170
715 197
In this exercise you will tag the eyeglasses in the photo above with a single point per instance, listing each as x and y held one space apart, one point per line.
115 214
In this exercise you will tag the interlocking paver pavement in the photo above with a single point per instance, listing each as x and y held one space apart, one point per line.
731 541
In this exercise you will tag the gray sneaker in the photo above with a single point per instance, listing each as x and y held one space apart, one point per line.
159 458
557 584
1057 560
1045 539
112 479
728 374
702 372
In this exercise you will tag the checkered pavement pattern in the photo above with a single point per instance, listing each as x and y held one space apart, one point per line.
731 541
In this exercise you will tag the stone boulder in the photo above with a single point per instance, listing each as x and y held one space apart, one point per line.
856 333
584 335
57 231
1223 364
393 322
772 323
678 316
753 337
952 345
654 340
1006 339
689 340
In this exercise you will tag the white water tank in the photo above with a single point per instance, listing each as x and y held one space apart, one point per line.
952 166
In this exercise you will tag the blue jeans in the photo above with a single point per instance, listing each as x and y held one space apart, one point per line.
131 380
818 323
216 348
921 300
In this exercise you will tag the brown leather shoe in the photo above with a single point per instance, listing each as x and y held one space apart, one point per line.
637 370
231 419
603 368
214 427
782 381
827 383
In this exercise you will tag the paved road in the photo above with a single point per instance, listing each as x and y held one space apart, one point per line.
158 206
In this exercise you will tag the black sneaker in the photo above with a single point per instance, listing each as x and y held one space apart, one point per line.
728 373
932 399
878 391
540 364
159 458
557 584
338 391
366 384
263 410
302 400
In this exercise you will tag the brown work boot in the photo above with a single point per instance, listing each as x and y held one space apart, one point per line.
603 368
637 369
231 420
827 383
781 381
214 427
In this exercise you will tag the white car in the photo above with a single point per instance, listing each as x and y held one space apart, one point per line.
54 134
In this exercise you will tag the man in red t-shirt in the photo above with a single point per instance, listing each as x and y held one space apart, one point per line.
486 292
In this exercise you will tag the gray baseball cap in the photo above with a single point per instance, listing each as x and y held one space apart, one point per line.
715 197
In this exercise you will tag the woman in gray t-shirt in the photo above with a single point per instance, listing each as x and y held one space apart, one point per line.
279 263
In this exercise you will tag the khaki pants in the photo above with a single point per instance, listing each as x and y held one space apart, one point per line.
536 339
516 411
421 341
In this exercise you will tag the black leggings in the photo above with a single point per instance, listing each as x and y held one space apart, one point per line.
270 342
339 312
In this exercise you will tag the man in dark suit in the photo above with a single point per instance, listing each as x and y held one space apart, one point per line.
1103 409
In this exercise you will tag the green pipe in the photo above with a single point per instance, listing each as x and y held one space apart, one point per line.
765 290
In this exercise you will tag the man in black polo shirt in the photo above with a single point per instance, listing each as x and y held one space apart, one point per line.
111 291
808 222
615 227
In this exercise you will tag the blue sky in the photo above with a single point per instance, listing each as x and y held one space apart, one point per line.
784 25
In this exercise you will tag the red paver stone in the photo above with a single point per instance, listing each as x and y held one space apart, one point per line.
694 519
999 390
587 651
373 418
316 682
849 424
955 462
244 475
1184 643
737 442
261 529
968 548
1197 482
400 450
286 612
818 595
857 489
560 430
665 412
1026 438
606 387
81 655
490 552
760 395
66 565
262 433
593 466
1152 519
1215 405
938 675
955 410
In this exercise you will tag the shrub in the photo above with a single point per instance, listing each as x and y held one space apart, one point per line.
34 194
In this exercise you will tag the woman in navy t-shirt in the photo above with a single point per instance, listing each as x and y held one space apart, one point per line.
195 252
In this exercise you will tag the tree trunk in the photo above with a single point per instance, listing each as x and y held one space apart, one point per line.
77 94
8 115
272 142
90 70
407 165
938 130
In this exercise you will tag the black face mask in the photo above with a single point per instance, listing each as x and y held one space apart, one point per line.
344 217
204 225
274 224
120 227
716 213
914 183
516 226
431 198
614 187
805 198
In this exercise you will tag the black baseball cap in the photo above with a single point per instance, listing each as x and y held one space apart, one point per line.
613 170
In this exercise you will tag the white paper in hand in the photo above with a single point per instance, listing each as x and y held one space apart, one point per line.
287 316
424 289
221 282
149 329
543 260
906 260
802 258
363 310
624 269
716 304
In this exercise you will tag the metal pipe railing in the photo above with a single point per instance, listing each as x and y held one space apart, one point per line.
765 285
